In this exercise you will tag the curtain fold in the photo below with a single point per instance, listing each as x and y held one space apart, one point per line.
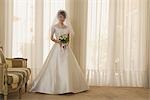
8 22
100 42
36 56
131 49
77 10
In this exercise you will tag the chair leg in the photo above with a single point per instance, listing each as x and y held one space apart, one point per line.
20 90
26 85
5 96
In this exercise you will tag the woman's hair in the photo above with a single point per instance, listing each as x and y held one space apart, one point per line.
62 12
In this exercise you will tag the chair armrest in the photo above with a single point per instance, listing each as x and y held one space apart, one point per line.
16 62
3 78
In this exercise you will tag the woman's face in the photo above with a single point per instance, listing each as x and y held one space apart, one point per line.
61 18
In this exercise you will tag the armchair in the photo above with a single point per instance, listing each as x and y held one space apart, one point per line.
9 82
14 75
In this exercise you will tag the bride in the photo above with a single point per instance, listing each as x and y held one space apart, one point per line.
61 72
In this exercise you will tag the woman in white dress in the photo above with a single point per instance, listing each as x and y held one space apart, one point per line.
61 72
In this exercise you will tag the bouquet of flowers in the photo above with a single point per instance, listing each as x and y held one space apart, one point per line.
64 39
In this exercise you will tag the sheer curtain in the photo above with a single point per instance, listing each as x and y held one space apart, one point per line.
98 59
116 43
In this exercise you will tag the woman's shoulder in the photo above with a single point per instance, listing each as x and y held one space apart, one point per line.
58 27
53 26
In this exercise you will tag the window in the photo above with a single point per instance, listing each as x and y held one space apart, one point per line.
97 40
97 33
23 25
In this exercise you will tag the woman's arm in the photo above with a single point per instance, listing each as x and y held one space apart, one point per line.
52 35
69 35
53 39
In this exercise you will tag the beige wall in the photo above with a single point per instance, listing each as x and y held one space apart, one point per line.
2 22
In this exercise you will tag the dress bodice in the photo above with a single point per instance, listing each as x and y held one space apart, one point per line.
58 31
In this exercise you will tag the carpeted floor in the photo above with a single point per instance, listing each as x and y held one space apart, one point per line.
95 93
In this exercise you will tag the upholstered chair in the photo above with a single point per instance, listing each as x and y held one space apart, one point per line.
9 81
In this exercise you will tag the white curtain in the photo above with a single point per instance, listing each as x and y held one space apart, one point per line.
99 53
116 43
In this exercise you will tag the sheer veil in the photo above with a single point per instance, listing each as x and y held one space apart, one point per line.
66 22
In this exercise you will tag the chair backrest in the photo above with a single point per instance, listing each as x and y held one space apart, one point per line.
16 62
2 57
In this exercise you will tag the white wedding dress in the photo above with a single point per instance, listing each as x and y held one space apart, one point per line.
61 72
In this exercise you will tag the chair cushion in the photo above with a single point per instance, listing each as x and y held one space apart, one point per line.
26 72
15 81
13 78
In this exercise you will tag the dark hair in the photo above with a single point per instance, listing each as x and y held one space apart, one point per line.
62 12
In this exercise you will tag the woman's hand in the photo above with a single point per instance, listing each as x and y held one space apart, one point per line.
57 41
